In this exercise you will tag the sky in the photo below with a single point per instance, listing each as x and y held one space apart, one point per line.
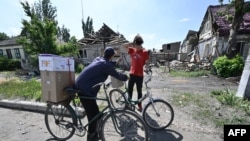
157 21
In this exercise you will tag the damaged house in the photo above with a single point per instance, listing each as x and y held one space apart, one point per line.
94 45
214 33
188 46
12 50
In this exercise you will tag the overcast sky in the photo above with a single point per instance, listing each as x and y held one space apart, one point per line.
157 21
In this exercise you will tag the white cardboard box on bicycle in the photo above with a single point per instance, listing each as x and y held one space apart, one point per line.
56 73
115 83
50 62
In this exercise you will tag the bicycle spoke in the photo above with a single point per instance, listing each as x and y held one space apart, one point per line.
59 122
129 125
117 99
158 114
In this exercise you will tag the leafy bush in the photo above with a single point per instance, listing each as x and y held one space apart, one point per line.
225 67
9 64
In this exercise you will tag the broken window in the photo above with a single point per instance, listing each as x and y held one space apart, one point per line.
240 47
9 55
83 54
17 53
168 47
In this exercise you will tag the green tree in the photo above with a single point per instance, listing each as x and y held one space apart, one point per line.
240 9
63 33
44 10
70 48
87 27
39 36
3 36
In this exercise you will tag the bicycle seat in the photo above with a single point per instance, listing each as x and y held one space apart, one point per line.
71 90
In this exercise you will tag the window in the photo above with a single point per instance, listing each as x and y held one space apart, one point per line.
9 55
240 47
1 52
17 53
83 53
207 26
168 47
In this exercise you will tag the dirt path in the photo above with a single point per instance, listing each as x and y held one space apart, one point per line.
18 125
26 126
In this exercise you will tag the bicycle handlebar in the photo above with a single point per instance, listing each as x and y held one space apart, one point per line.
149 72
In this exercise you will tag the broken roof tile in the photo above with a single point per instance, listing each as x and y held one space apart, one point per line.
222 24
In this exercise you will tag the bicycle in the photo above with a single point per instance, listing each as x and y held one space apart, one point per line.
157 113
63 120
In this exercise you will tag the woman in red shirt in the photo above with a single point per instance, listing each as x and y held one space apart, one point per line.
139 57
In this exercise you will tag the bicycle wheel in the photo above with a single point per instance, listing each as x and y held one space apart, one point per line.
60 121
123 125
158 114
117 98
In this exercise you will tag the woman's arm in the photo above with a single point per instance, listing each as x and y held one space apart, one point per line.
127 45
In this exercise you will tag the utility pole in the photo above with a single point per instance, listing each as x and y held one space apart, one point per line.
82 10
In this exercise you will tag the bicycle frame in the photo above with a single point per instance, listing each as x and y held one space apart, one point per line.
148 93
79 126
63 121
120 99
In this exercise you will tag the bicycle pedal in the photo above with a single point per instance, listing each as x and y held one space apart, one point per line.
80 132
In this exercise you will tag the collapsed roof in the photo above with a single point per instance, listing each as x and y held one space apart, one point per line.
220 20
104 34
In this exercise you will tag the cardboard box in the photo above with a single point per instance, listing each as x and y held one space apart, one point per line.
50 62
53 84
57 72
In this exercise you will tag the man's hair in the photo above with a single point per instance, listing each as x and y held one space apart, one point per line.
138 40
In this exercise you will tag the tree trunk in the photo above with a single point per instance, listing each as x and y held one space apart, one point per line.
237 20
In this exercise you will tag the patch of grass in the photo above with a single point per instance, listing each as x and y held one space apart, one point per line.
182 99
27 90
189 73
187 98
219 122
204 114
204 111
229 98
17 88
200 108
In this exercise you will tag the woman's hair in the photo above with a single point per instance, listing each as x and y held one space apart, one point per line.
138 40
